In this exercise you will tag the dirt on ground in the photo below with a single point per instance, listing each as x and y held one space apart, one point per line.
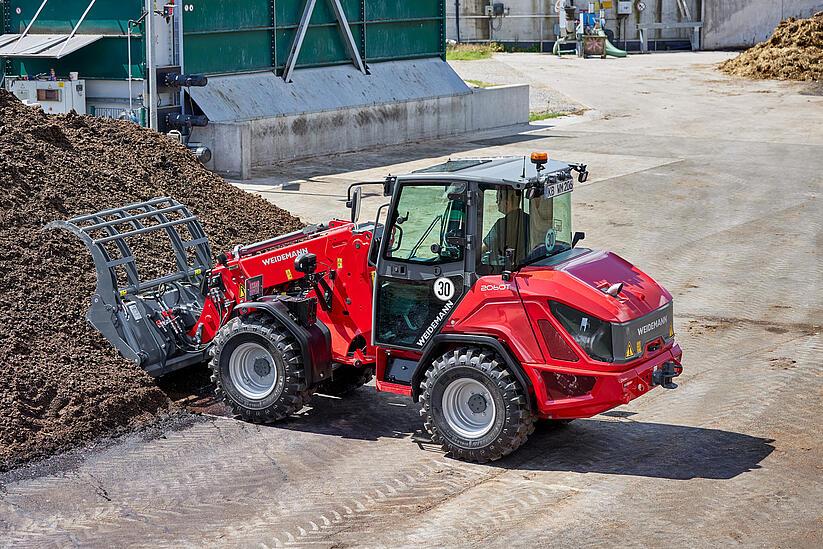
793 52
62 383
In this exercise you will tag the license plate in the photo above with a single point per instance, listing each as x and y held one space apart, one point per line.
558 188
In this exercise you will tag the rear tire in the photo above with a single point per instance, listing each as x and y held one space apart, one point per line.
474 407
345 380
258 370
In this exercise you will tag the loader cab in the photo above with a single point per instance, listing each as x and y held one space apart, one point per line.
455 222
422 266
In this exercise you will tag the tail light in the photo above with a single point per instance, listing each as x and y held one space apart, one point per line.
558 348
560 386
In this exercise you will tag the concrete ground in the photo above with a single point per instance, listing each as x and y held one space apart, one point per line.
507 68
710 184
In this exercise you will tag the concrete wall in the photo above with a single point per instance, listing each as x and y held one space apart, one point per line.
239 147
743 23
518 29
470 29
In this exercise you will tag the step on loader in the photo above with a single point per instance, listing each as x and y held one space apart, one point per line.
472 297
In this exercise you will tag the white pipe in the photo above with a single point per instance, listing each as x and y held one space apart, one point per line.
151 76
77 26
179 11
128 41
28 27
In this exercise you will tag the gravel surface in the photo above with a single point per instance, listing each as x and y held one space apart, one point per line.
793 52
63 384
542 97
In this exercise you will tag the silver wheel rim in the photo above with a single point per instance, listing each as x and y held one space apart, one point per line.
468 408
253 370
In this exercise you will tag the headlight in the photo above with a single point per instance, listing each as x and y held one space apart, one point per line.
592 334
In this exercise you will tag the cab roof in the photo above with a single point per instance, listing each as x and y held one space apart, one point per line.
507 169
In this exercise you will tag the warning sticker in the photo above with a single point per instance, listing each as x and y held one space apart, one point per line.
135 312
254 287
633 336
339 262
288 274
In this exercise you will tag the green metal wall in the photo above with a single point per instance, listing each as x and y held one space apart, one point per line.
106 58
234 36
221 39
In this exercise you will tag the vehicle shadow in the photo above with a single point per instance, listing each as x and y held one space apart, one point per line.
637 448
608 444
363 414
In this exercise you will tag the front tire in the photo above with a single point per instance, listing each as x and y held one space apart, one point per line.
474 407
258 370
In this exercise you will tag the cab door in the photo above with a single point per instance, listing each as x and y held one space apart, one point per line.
422 263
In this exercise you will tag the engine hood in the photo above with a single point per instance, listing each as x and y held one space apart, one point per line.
578 278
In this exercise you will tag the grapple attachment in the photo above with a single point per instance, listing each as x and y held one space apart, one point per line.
146 320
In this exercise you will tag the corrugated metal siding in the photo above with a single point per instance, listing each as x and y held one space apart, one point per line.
106 58
230 36
222 37
220 42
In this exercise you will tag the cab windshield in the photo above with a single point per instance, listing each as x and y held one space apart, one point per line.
530 229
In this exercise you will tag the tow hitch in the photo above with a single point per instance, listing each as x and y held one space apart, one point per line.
664 375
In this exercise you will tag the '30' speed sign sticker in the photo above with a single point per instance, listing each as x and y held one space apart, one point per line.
443 289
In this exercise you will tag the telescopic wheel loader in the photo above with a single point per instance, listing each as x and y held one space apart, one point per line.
473 299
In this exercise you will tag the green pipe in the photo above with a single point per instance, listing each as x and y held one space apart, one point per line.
611 49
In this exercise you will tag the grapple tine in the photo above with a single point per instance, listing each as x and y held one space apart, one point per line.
119 312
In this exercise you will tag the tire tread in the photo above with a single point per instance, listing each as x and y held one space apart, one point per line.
295 391
522 419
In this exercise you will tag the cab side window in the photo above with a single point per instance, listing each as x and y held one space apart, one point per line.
504 224
427 225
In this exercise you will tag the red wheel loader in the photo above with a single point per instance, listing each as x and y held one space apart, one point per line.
473 298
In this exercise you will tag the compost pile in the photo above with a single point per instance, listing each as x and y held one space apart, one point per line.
63 384
794 52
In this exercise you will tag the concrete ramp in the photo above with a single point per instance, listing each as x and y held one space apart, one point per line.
257 120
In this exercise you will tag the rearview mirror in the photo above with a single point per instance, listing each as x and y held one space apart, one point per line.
578 236
354 204
388 186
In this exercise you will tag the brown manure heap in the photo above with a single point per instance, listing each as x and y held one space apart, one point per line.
794 52
61 383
